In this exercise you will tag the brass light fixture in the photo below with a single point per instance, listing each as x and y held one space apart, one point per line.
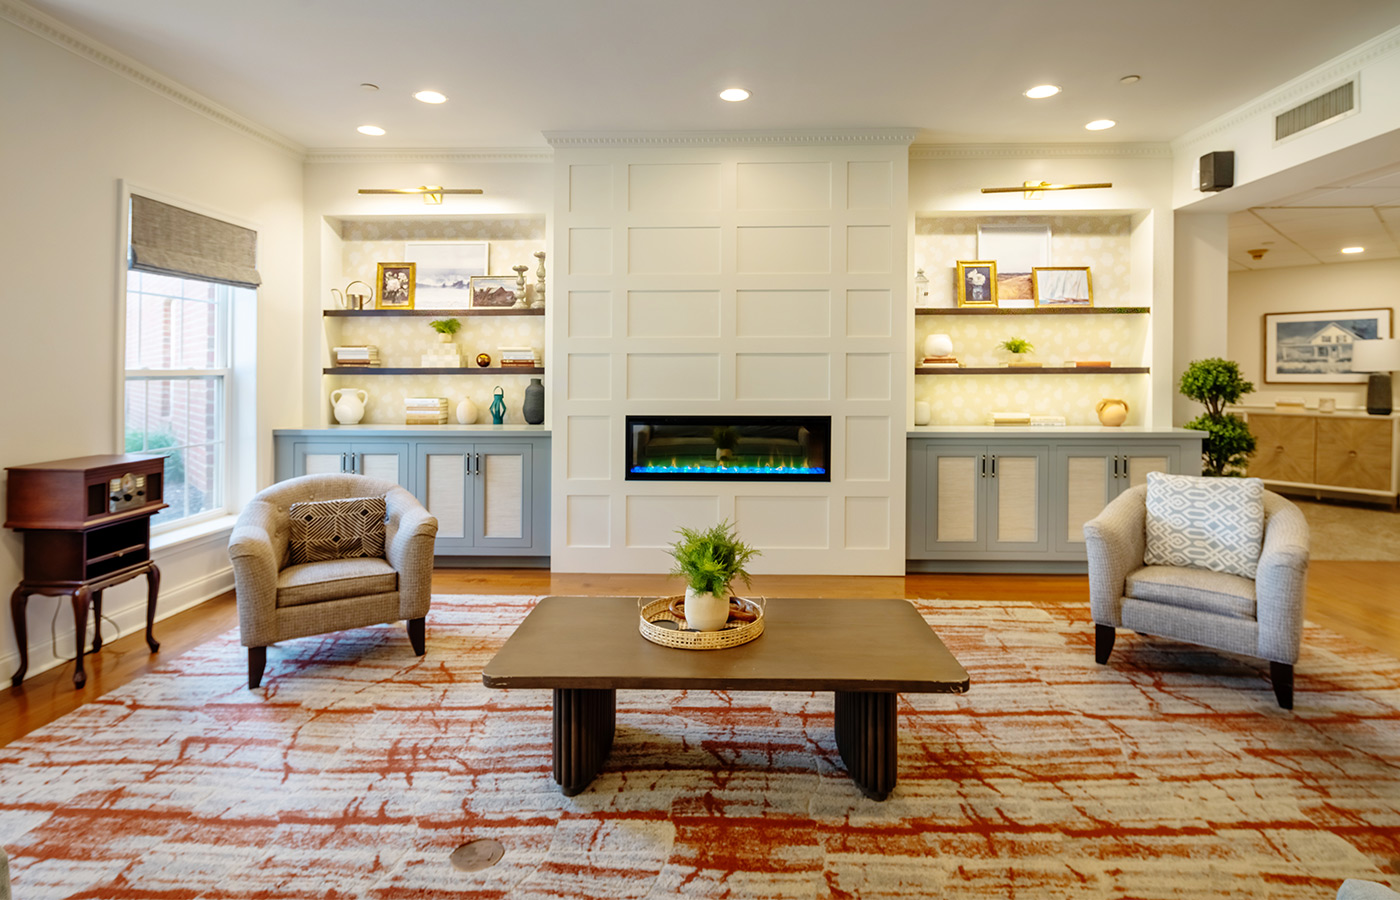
431 194
1032 188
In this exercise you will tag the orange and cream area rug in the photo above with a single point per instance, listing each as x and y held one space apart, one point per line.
358 768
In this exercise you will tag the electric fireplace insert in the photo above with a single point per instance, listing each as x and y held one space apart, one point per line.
728 448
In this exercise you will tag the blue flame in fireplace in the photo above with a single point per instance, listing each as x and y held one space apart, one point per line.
701 469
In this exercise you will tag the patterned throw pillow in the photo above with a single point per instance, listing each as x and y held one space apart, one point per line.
1205 523
337 529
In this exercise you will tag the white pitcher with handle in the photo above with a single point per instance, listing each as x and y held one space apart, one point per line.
349 405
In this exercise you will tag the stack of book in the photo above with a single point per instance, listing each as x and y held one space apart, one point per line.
425 410
1011 418
365 355
1092 364
519 357
949 361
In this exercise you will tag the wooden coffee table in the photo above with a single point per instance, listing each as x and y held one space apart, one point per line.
867 652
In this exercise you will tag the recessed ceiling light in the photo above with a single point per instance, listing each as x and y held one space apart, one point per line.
1100 124
430 97
734 95
1130 79
1353 249
370 129
1041 91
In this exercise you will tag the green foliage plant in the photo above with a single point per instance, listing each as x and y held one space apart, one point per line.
446 326
710 558
725 437
1016 345
1217 383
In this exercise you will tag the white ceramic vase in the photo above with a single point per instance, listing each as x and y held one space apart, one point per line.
467 412
706 612
938 345
349 405
923 413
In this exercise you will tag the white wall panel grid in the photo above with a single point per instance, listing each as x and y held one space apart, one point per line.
746 278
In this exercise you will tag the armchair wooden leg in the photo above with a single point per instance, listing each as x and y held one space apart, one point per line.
1281 674
257 662
417 635
1104 636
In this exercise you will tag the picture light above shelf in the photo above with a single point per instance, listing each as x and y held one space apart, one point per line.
421 370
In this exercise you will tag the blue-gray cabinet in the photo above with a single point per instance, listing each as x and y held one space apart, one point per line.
488 486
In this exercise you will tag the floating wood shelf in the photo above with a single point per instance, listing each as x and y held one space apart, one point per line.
1036 311
440 313
1032 370
416 370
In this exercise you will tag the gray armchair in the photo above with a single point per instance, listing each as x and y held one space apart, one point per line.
1262 618
278 601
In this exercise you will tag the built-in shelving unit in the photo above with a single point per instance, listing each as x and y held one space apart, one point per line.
422 370
1035 311
1031 370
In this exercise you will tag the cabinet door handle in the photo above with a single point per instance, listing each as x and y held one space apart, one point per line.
342 462
478 464
984 466
994 467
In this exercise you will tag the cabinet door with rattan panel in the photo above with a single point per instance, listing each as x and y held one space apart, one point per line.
1354 453
1284 448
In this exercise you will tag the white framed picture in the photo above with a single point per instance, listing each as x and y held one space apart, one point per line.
1017 250
445 270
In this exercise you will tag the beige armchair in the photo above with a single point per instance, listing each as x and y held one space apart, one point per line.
278 601
1262 617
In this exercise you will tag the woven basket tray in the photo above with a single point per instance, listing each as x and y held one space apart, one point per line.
732 635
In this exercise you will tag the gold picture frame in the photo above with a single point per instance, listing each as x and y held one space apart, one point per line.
1062 286
393 282
977 282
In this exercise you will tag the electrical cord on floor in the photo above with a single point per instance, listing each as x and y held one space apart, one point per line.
53 633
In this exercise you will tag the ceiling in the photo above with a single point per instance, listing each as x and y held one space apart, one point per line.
514 69
1312 227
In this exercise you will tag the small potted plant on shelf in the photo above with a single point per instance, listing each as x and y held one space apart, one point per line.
725 439
446 328
709 560
1020 350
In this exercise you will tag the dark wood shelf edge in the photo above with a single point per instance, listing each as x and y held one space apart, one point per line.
444 313
480 370
1036 311
1032 370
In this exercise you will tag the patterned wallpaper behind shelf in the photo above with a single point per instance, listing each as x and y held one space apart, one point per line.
1103 243
401 341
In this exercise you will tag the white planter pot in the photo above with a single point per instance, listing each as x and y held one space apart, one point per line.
705 612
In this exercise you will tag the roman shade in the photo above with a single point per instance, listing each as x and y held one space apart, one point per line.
168 240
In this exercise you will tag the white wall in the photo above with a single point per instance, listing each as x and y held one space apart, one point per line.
1354 285
1202 294
76 124
732 276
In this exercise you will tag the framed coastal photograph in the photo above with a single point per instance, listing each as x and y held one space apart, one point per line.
1018 250
977 282
1316 347
394 285
493 291
445 270
1062 286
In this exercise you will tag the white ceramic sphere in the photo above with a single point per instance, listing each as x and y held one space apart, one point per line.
466 412
938 345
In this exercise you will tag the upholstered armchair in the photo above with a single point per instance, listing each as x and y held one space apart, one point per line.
1260 617
279 600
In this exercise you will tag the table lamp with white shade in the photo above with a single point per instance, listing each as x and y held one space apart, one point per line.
1380 358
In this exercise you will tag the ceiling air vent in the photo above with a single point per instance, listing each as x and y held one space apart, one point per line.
1336 102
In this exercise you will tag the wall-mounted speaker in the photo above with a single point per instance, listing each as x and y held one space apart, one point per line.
1218 170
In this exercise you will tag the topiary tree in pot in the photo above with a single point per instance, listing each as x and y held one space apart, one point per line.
1217 383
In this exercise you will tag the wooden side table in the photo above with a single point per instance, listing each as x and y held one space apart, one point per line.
87 527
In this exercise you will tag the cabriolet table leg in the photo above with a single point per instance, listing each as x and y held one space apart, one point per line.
584 722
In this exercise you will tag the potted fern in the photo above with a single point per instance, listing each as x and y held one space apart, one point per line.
1020 350
709 559
446 328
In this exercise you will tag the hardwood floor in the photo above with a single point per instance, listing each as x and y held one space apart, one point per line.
1358 599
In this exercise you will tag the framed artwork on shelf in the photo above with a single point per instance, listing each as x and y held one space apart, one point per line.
1316 347
1062 286
977 282
1017 250
394 285
494 291
445 270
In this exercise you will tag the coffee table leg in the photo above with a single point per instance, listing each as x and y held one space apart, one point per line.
584 722
867 734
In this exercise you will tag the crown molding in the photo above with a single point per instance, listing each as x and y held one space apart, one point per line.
1040 151
56 32
574 140
1317 81
430 155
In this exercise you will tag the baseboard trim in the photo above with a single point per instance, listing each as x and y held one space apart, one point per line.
491 562
998 567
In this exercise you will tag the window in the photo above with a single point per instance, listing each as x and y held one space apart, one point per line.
178 384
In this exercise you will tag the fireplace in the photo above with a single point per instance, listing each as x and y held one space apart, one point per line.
728 448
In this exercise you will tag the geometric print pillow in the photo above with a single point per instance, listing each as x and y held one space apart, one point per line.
337 529
1205 523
